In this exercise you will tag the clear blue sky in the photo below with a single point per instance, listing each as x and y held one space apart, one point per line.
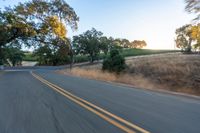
152 20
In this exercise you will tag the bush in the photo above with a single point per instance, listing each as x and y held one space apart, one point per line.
115 62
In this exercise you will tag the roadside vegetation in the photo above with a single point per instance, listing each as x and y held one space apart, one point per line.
40 24
93 46
173 72
125 53
13 56
115 62
31 56
43 25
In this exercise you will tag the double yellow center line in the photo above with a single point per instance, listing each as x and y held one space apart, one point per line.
109 117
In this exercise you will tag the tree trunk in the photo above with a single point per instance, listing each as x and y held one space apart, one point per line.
71 57
13 63
189 48
91 56
71 60
92 59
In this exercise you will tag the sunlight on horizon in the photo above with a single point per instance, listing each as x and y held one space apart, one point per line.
153 21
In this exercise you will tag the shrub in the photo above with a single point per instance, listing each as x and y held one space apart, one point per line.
115 62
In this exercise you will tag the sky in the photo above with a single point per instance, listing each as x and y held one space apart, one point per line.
154 21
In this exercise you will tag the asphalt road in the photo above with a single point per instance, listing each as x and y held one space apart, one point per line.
28 105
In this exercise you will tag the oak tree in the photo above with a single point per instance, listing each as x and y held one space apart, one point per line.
88 43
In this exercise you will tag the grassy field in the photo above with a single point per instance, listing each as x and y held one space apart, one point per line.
29 57
172 72
138 52
126 53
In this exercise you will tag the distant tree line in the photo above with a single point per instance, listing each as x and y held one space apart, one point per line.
42 24
93 43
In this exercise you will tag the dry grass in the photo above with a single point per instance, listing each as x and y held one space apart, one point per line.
173 72
180 73
97 74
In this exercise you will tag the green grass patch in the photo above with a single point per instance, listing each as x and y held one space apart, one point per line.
85 58
80 58
125 53
138 52
29 57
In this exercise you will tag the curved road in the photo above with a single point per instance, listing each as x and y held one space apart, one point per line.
36 104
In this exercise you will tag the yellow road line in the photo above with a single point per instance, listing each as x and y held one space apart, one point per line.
85 104
88 108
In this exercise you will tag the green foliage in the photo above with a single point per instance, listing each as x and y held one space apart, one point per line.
43 55
81 58
54 55
139 52
115 62
94 45
14 28
37 23
1 62
15 55
28 56
184 38
137 44
181 42
1 56
105 44
88 43
125 53
123 43
188 37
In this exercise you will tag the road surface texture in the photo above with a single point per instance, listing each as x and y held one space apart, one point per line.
30 103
